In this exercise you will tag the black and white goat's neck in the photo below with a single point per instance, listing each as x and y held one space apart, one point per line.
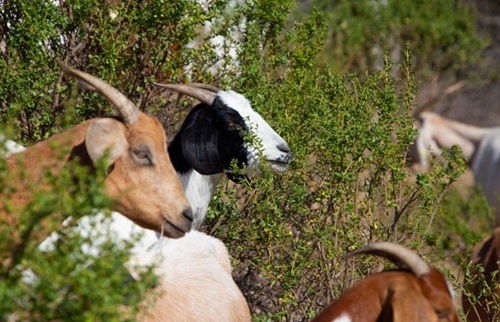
199 190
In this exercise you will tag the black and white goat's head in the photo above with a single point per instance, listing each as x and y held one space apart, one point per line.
214 134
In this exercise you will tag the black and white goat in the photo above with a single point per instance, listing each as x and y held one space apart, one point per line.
212 136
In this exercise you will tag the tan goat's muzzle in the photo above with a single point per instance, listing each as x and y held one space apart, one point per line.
177 228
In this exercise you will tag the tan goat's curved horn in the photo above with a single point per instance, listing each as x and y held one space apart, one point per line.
125 107
201 94
399 255
208 87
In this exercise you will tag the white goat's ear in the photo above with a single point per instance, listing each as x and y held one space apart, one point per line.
106 136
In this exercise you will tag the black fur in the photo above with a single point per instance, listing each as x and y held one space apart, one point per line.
209 139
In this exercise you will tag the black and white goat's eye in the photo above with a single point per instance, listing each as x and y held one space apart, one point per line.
235 126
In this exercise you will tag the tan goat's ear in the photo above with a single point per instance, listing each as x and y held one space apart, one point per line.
106 136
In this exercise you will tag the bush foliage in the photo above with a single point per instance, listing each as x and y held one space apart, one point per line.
441 35
288 233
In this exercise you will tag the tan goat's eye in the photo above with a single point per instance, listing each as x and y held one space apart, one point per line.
142 155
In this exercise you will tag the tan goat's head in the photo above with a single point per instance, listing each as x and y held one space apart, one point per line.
141 179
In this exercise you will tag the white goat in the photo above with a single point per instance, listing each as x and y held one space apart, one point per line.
200 287
225 48
196 282
480 147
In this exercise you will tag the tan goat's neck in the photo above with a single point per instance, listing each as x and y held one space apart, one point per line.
33 159
26 177
437 133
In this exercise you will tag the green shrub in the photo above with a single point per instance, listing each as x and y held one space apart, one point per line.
441 34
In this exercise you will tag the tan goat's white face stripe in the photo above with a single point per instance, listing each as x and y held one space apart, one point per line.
344 317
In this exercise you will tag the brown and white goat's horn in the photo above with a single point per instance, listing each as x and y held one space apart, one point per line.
201 94
125 107
399 255
208 87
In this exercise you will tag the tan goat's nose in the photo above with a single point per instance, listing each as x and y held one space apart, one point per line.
188 214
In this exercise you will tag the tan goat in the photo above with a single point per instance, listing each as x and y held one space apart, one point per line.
487 307
141 179
414 293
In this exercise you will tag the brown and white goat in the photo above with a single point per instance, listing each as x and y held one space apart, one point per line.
478 305
480 147
413 293
436 132
141 179
196 282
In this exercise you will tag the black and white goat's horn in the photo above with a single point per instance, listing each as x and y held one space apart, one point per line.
125 107
201 94
399 255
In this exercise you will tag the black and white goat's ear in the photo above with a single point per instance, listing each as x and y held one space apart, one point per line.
106 136
199 143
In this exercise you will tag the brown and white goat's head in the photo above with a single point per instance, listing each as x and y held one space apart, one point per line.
141 179
416 292
436 132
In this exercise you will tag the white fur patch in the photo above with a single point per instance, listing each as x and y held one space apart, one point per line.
344 317
450 289
199 190
11 146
